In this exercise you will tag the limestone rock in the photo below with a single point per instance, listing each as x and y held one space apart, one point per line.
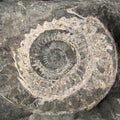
59 59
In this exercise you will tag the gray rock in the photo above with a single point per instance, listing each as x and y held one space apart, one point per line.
19 18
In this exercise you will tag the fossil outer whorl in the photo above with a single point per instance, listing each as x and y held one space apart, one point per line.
69 61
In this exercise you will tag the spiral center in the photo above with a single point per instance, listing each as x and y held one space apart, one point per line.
51 58
54 54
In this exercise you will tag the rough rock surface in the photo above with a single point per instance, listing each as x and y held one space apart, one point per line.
17 18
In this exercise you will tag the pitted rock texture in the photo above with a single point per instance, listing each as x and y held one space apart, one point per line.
24 64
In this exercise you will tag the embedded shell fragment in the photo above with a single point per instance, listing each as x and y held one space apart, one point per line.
69 61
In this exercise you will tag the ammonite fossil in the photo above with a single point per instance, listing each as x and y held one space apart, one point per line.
69 64
53 61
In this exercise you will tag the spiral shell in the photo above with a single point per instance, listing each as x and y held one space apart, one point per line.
69 61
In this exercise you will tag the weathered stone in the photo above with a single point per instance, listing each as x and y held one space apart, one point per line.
56 61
